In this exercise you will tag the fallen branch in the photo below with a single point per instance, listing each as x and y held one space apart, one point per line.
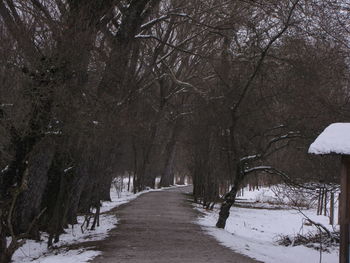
310 240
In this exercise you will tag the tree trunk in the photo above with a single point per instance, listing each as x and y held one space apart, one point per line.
149 180
229 200
129 180
59 201
29 202
77 189
181 179
96 217
230 197
5 257
167 178
106 188
3 241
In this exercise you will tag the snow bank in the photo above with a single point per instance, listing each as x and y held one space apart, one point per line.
334 139
254 232
38 252
33 251
72 256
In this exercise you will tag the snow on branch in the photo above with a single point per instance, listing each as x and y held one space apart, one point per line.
258 168
182 83
4 170
250 158
265 151
178 91
285 136
287 180
153 21
272 170
289 135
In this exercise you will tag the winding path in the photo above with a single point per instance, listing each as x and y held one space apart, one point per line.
158 227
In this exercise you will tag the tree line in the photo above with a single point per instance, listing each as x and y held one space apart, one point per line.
222 91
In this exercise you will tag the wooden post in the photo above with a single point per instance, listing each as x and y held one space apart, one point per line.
325 202
339 206
344 210
331 210
319 201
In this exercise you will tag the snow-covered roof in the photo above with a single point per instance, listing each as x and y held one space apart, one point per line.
334 139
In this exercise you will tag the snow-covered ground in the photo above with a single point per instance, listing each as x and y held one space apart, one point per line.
254 232
37 252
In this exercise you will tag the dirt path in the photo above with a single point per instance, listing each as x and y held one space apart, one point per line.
157 228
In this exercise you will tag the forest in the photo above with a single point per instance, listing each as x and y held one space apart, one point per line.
223 92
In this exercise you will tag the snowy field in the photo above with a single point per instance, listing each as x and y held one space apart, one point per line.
254 232
37 252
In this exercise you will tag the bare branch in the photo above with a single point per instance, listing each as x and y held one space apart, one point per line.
236 105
